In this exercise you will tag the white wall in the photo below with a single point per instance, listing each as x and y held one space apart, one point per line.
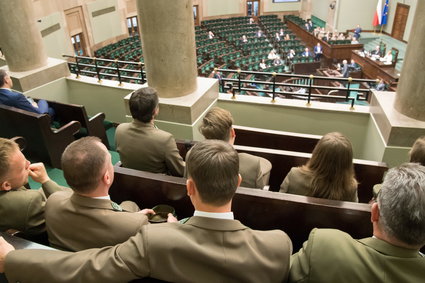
392 8
351 13
56 42
319 8
213 8
269 6
105 26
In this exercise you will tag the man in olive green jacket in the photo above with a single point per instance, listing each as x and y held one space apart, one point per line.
217 124
22 209
209 247
92 219
141 145
391 255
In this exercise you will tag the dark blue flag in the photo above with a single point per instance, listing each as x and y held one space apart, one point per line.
385 13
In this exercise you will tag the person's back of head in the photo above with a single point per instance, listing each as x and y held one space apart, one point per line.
3 76
417 153
143 104
84 162
213 166
7 149
331 165
217 124
401 203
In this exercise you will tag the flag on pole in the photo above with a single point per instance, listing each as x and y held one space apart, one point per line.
377 18
385 13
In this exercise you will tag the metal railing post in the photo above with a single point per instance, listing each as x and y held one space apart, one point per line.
274 86
141 72
239 81
309 90
77 70
118 72
99 80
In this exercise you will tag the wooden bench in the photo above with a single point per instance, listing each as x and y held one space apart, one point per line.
368 173
275 139
93 126
44 144
262 210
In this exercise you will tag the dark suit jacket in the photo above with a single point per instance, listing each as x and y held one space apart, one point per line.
201 250
143 147
15 99
90 223
333 256
345 71
23 209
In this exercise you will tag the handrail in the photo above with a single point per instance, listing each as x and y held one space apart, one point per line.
363 94
272 83
78 70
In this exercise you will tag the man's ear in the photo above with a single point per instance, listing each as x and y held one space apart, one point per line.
156 111
190 187
374 212
5 186
239 179
107 178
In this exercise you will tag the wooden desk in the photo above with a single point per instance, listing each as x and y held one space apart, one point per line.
336 51
374 69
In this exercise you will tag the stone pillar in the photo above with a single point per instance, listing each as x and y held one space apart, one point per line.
20 40
410 98
169 49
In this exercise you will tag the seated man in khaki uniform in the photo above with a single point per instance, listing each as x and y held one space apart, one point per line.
391 255
22 209
141 145
88 218
209 247
217 124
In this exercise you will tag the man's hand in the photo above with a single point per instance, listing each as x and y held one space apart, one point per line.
38 173
5 248
171 218
146 211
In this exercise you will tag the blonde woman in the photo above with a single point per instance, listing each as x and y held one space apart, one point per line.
328 174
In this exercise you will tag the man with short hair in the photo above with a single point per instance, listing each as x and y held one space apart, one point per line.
141 145
16 99
209 247
92 219
22 209
391 255
217 124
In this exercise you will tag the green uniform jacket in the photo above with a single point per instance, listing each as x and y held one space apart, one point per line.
333 256
143 147
201 250
23 209
298 183
90 222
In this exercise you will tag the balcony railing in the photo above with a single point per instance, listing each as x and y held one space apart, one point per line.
273 85
123 71
305 87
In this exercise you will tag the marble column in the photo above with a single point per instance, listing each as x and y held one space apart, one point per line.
410 98
20 40
169 49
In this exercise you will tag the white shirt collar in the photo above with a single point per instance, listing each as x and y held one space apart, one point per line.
104 197
222 215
